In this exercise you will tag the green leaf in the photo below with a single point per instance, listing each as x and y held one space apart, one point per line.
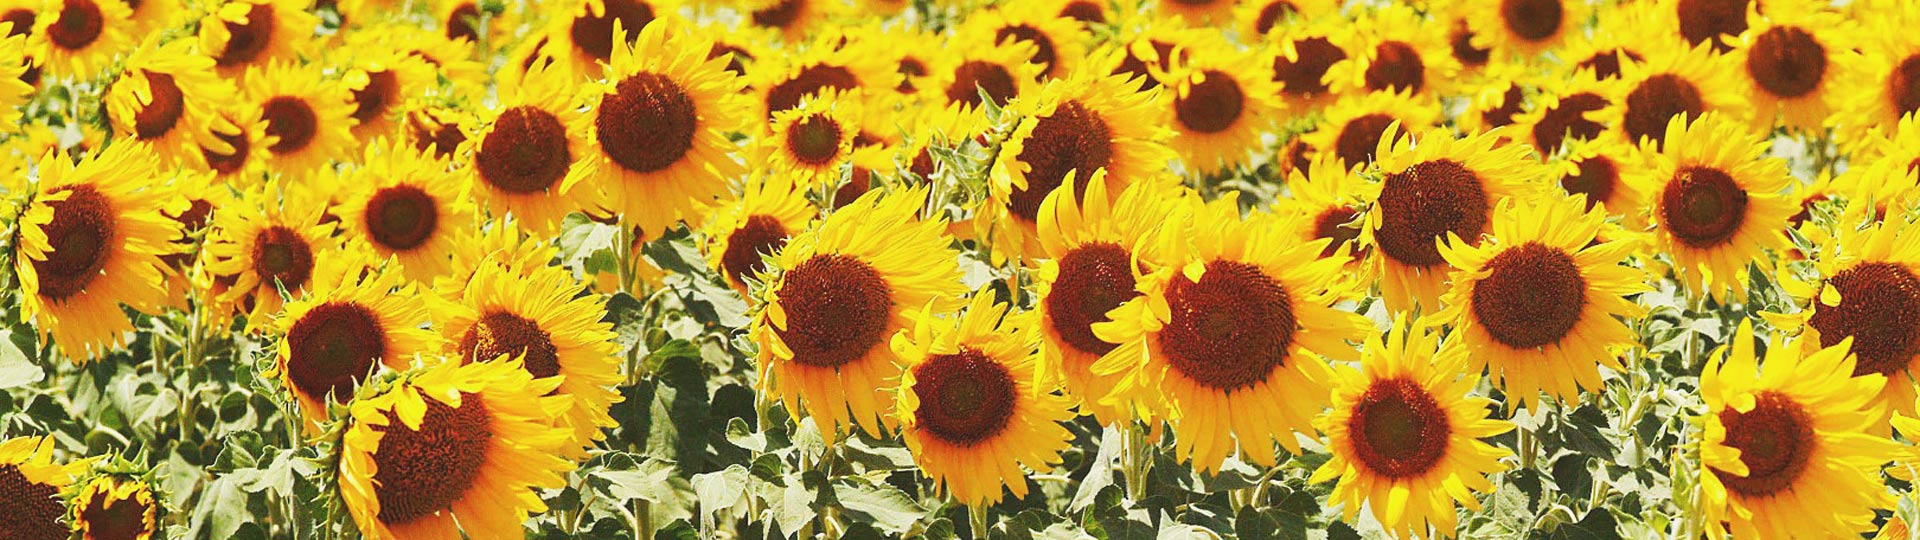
222 508
1100 471
649 481
885 507
16 370
720 491
678 530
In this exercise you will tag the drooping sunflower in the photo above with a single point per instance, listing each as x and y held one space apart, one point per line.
114 509
584 39
1867 290
1716 202
1599 171
261 245
403 204
1434 185
1883 74
1406 435
14 63
1789 447
970 406
1357 124
1568 108
1076 127
1059 43
1330 200
526 155
1394 48
80 37
353 318
1539 304
1302 54
1001 71
1788 59
770 210
659 124
309 120
166 97
1092 253
1221 101
1231 334
1523 29
1672 83
455 450
34 483
90 242
812 143
1266 17
246 34
843 288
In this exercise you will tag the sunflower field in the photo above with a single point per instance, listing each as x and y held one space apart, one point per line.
959 269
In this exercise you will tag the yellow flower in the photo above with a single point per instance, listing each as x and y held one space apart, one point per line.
14 90
591 32
1221 101
1599 171
1059 43
1395 49
1867 291
1302 54
166 97
79 38
354 318
403 204
1569 108
756 225
34 484
1002 71
1716 202
1672 83
1789 62
309 120
1525 28
1356 125
1881 87
110 509
811 144
264 244
526 156
242 35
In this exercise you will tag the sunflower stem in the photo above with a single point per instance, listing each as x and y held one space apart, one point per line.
977 518
1137 461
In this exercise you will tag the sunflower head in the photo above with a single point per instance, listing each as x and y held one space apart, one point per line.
308 120
750 228
405 205
1221 101
110 508
34 484
244 34
812 143
1716 202
355 319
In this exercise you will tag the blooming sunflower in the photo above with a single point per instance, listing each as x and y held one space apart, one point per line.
1598 170
14 63
1567 108
245 34
1330 200
794 19
1092 252
1434 185
660 123
1716 202
1883 75
352 319
585 38
1001 71
1524 28
1302 54
1683 83
1539 303
1405 433
165 97
812 143
455 450
33 484
1788 449
80 37
1394 48
1788 62
89 242
437 128
782 81
969 404
1265 17
1497 97
1147 49
525 154
1868 291
381 80
1059 43
309 120
1089 122
404 205
1713 23
1230 335
1622 33
114 509
233 153
261 245
504 245
1088 12
1357 124
770 210
1222 101
845 286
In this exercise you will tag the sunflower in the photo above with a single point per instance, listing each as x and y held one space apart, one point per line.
1076 126
1713 23
465 20
261 245
1404 425
1788 447
780 82
1230 335
1788 60
1867 290
1539 303
843 287
758 223
1059 43
381 81
585 39
505 245
245 34
1265 17
1524 28
110 509
794 19
660 122
1568 108
525 154
1675 83
1148 49
1357 124
1088 12
969 404
403 204
353 318
1394 48
1628 32
309 120
1883 75
165 97
812 143
33 483
1002 72
1434 185
914 64
153 16
453 59
233 154
89 242
1092 252
1716 202
14 90
454 450
1330 201
437 128
1497 98
196 195
1221 102
80 37
1302 54
1598 171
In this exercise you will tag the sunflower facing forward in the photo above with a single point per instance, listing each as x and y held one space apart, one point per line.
33 483
1788 60
1221 102
267 242
165 97
309 120
403 204
1716 202
1868 292
245 34
79 38
1788 449
755 225
843 288
812 143
527 156
457 449
1231 335
355 319
90 242
969 404
1405 434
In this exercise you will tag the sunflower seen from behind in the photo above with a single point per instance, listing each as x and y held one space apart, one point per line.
453 450
401 203
1788 446
527 155
165 97
1406 435
969 404
1716 203
843 288
309 120
34 482
1231 334
112 508
354 319
89 242
747 229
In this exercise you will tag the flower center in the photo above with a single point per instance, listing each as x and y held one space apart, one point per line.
1084 11
333 347
1657 100
781 15
526 152
373 100
22 19
1211 106
432 134
1880 309
593 34
1569 120
245 41
81 236
1532 20
33 509
159 116
809 81
1775 440
281 255
760 234
1360 137
1532 296
815 140
1597 178
1337 223
1398 429
1717 20
402 217
1787 62
1134 67
1703 207
1606 65
1461 41
1094 278
910 69
78 25
1043 46
115 519
1510 103
965 397
1302 77
1398 67
1422 204
292 120
1272 13
647 124
461 23
421 472
1229 330
232 162
193 219
502 333
837 310
1903 87
1074 138
974 77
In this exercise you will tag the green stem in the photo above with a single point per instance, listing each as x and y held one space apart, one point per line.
1138 460
977 517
